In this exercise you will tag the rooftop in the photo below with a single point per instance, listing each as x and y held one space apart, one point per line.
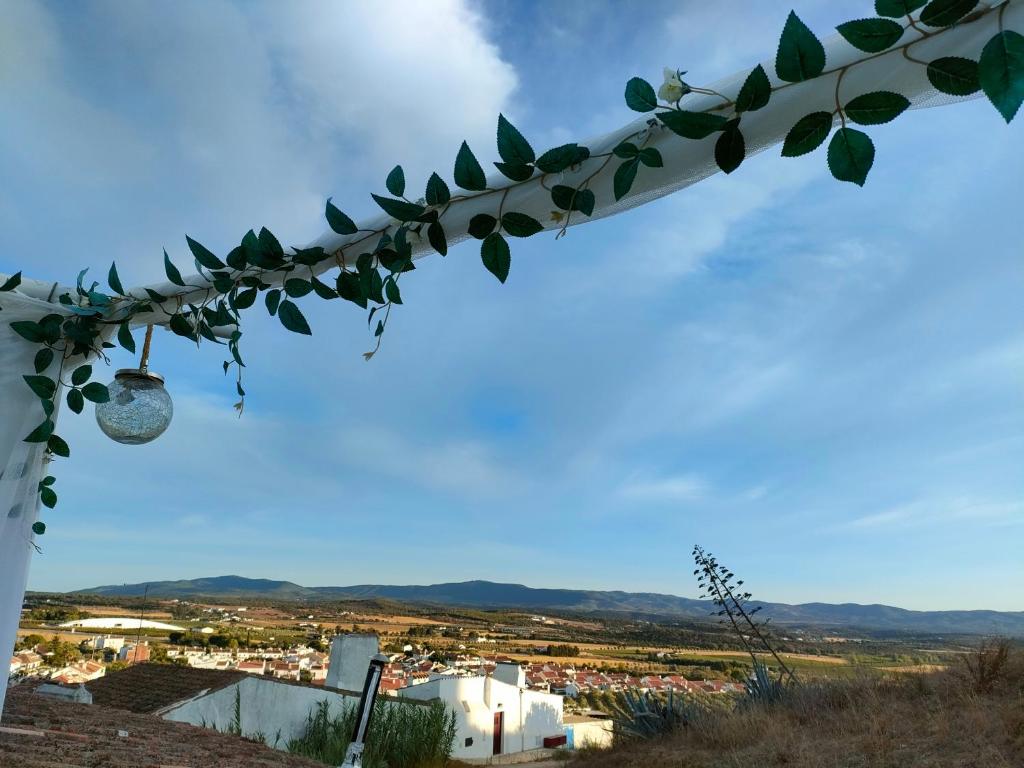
42 732
149 688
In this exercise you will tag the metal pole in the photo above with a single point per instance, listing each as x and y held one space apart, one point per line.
354 753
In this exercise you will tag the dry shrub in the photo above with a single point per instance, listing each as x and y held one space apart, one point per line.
988 665
932 720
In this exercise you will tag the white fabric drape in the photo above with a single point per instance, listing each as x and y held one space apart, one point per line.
21 463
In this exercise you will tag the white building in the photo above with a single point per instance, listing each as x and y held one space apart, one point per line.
494 715
119 622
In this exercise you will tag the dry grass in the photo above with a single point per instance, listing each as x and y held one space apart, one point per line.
969 715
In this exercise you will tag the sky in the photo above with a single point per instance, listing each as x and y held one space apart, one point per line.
821 384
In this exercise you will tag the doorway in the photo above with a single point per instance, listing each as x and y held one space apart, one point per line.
499 728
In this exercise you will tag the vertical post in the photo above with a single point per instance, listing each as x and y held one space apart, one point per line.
354 753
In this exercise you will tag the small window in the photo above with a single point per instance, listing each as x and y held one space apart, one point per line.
469 741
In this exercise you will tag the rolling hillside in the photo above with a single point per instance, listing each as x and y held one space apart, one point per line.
486 594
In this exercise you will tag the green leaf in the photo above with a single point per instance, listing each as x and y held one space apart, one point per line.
75 400
801 55
625 174
323 290
437 191
124 337
270 246
43 359
41 433
391 290
11 282
871 35
626 150
468 173
43 387
651 158
114 281
292 318
944 13
481 225
572 199
96 392
49 498
154 296
273 300
876 108
756 91
39 527
399 209
182 327
807 135
245 299
81 375
515 171
1001 72
512 146
640 95
236 258
350 289
692 125
48 480
897 8
563 157
850 155
296 287
172 271
730 149
497 257
954 75
520 225
57 446
396 181
310 256
436 238
28 330
202 255
338 221
584 202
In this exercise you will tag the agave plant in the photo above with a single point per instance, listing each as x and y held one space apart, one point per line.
762 688
646 715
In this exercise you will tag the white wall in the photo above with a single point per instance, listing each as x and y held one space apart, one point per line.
275 709
350 659
530 716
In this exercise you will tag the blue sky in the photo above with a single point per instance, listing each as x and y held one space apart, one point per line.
822 384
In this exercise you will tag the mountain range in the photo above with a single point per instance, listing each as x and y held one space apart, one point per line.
490 595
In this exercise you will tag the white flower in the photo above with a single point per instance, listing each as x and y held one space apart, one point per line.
673 89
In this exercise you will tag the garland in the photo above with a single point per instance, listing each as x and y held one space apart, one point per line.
372 261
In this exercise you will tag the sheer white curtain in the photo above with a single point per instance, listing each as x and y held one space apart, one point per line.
21 463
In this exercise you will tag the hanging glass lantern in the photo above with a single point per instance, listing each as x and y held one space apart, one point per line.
139 408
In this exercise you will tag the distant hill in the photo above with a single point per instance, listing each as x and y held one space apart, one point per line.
487 594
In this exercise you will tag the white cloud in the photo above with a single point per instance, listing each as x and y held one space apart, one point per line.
464 467
942 510
687 487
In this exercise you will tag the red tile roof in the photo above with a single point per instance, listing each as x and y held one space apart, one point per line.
147 688
42 732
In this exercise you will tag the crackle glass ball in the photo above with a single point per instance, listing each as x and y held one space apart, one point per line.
139 409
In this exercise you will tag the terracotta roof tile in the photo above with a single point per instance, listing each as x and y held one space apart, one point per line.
42 732
147 688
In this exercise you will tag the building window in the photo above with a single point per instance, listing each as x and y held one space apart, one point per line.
469 741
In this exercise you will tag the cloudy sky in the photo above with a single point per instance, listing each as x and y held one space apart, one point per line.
822 384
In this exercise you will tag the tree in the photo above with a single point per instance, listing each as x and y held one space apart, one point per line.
29 642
